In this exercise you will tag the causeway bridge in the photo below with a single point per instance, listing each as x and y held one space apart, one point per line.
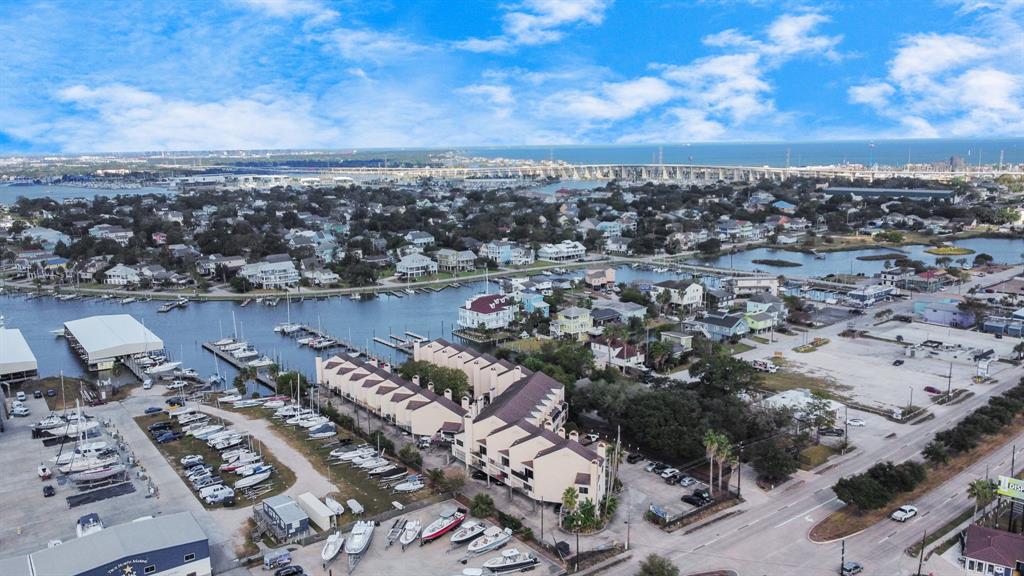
685 173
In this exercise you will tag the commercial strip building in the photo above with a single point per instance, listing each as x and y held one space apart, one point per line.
102 340
17 362
513 428
167 545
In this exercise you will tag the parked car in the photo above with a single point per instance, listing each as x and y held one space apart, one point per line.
20 410
162 425
932 390
687 481
669 472
659 468
293 570
37 394
48 491
693 500
851 568
897 363
904 513
831 431
478 475
191 460
634 457
21 396
51 393
858 422
672 478
153 410
704 494
651 466
168 437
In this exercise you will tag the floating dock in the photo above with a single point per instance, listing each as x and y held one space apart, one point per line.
261 377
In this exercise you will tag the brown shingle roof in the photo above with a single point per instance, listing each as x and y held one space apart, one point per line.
994 546
521 398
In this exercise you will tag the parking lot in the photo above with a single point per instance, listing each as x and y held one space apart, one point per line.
435 558
648 487
30 520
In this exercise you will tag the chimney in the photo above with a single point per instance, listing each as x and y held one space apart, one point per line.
465 403
416 349
519 373
386 367
448 393
561 431
574 436
416 379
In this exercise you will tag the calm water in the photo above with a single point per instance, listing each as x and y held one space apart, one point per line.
1003 250
884 152
9 194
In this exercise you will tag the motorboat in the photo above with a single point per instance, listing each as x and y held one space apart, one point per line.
89 524
334 505
206 431
161 368
51 421
469 531
245 353
447 521
230 398
88 463
252 480
409 533
493 538
511 561
191 417
355 506
189 373
261 362
332 546
96 474
359 539
84 450
410 485
224 342
233 346
287 328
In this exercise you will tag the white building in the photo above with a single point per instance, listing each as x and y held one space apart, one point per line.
102 340
492 311
121 275
109 232
17 362
416 265
564 251
271 274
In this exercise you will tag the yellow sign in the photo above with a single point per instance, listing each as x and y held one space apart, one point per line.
1011 488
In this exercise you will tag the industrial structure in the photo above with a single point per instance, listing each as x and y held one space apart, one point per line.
17 362
103 340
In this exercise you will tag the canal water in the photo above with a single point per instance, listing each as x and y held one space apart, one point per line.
1002 250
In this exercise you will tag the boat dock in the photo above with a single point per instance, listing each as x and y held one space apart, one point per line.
261 377
333 342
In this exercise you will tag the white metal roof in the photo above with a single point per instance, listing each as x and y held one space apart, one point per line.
15 355
112 336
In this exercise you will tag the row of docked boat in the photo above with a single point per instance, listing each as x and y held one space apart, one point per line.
243 352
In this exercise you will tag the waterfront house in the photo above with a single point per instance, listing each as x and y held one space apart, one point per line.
449 260
209 265
533 302
34 264
121 275
617 245
945 312
270 274
504 253
992 552
684 294
564 251
321 277
723 326
573 323
490 311
601 278
898 276
87 271
616 352
416 265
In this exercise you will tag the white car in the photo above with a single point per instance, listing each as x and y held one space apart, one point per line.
215 494
669 472
904 513
20 410
191 460
21 396
856 422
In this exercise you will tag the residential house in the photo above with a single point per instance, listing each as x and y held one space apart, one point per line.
449 260
321 277
719 299
992 552
39 264
533 302
110 232
490 311
681 342
616 352
599 279
121 275
419 238
209 265
721 326
271 274
683 294
564 251
625 310
898 277
572 322
930 281
46 237
784 207
617 245
416 265
159 238
88 270
764 311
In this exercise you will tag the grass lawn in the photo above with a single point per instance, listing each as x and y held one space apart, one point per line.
814 456
524 345
738 348
759 339
847 520
934 535
785 379
282 478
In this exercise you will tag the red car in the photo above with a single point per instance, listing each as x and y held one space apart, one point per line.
932 390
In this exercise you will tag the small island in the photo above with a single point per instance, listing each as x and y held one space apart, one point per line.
777 263
949 251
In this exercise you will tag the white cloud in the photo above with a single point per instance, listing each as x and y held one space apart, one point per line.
612 101
118 117
956 84
314 9
359 44
537 22
494 93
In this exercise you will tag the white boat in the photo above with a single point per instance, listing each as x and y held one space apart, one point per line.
254 468
83 464
273 404
359 539
287 328
127 300
229 442
468 531
94 474
191 417
511 561
161 368
246 403
493 538
224 342
84 450
88 524
314 422
230 398
371 464
332 546
245 353
233 346
409 533
206 431
334 505
239 455
252 480
409 486
189 373
339 452
261 362
323 433
381 469
355 506
51 421
44 472
74 428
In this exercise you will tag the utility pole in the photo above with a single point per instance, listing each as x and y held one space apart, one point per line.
920 556
949 380
1013 466
842 557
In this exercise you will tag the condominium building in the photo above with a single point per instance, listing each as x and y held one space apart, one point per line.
513 428
564 251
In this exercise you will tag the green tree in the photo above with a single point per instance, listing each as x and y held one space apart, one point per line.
711 446
482 506
586 515
440 377
710 246
659 352
570 500
655 565
818 412
241 285
983 490
862 492
410 456
773 461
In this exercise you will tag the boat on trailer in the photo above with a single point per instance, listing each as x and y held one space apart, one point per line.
447 521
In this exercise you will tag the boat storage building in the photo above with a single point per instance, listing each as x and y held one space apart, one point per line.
101 340
169 545
17 362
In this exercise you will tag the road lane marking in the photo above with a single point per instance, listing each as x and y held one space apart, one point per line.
806 512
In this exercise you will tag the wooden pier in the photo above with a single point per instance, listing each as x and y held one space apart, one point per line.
261 377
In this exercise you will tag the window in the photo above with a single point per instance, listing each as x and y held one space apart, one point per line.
583 490
150 569
190 557
970 565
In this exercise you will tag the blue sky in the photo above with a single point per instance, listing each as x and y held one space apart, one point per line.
255 74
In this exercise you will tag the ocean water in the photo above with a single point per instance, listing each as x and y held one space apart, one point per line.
867 152
10 194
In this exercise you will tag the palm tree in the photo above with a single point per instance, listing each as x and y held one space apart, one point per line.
570 499
983 491
724 454
711 451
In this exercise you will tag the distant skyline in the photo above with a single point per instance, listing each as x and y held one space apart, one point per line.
308 74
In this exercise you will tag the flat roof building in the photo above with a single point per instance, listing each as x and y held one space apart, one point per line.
17 362
101 340
166 545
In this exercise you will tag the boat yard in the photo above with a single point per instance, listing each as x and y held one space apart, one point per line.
101 341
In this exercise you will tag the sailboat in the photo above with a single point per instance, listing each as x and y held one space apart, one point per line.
288 328
332 546
95 474
252 480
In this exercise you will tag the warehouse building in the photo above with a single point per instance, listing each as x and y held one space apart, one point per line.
17 362
171 545
102 340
